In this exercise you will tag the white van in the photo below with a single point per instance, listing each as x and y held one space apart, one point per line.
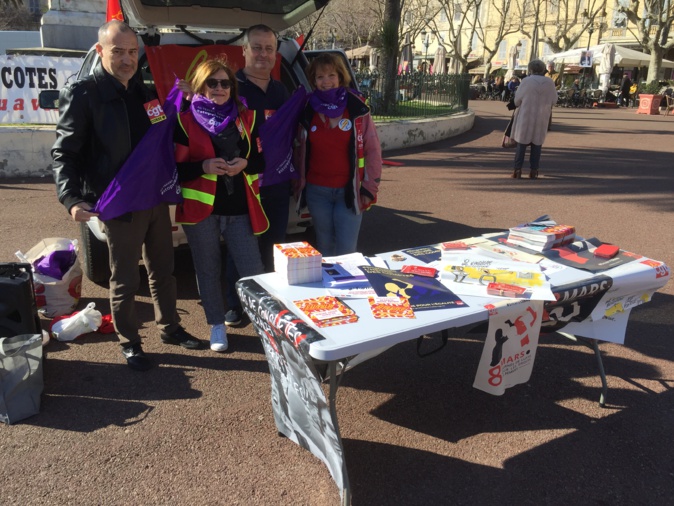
198 24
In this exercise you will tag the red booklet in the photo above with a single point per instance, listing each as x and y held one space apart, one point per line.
326 311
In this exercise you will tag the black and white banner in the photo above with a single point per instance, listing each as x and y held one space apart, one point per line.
301 410
22 78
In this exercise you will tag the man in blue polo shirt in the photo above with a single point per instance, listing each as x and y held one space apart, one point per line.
265 95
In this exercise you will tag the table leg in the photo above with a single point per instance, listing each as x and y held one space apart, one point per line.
594 345
332 398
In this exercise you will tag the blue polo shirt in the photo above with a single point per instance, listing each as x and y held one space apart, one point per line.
259 100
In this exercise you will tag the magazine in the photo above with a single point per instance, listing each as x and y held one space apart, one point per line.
422 292
539 246
426 254
580 255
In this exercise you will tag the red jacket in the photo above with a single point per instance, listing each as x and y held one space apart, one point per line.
364 150
199 193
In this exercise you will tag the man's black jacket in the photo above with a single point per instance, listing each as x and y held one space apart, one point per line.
93 136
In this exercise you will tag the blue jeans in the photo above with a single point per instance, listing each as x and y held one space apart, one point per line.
336 225
275 202
204 241
534 156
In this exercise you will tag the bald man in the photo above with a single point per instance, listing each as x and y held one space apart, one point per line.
102 119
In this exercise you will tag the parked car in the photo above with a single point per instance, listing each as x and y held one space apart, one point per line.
203 26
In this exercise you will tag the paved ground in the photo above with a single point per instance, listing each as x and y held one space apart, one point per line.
199 428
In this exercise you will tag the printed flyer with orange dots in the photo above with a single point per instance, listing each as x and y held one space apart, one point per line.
326 311
390 307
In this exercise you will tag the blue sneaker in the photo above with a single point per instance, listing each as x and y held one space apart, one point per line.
219 338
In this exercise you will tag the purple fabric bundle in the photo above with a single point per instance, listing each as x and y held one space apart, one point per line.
57 263
149 176
277 135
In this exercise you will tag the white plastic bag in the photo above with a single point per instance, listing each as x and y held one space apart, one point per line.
55 297
87 320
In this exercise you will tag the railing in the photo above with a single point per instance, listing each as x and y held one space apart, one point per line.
417 94
617 32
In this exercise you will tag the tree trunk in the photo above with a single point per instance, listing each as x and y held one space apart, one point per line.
655 67
389 60
487 71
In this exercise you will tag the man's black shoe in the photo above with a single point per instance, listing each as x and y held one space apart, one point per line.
135 358
234 316
181 338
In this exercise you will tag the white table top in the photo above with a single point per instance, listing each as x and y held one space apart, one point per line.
370 334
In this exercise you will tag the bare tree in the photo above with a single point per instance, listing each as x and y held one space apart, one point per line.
653 20
15 16
350 24
463 19
503 24
558 23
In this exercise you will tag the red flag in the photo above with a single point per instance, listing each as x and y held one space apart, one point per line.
114 11
300 39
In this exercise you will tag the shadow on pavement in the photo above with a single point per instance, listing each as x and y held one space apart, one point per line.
596 462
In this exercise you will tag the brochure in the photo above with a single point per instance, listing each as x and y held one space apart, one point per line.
343 272
326 311
390 307
473 273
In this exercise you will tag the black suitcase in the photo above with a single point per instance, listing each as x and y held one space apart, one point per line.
18 310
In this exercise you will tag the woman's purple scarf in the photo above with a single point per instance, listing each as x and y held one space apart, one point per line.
331 102
213 117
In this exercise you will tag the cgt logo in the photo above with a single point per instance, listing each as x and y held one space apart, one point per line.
154 111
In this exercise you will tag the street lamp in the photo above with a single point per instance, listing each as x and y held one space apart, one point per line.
333 37
426 42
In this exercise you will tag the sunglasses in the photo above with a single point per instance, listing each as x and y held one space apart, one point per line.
212 83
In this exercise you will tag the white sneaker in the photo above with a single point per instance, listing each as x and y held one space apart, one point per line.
219 338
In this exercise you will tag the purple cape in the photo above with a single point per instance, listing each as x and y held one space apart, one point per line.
149 175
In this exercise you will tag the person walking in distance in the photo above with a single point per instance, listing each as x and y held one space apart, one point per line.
102 119
625 86
534 99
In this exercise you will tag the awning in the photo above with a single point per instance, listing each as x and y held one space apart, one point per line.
480 70
359 52
624 57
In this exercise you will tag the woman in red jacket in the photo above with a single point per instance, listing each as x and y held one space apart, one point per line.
218 163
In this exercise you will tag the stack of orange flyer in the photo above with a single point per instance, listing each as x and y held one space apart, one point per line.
390 307
326 311
298 262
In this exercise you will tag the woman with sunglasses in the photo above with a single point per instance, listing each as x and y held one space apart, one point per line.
339 157
218 162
